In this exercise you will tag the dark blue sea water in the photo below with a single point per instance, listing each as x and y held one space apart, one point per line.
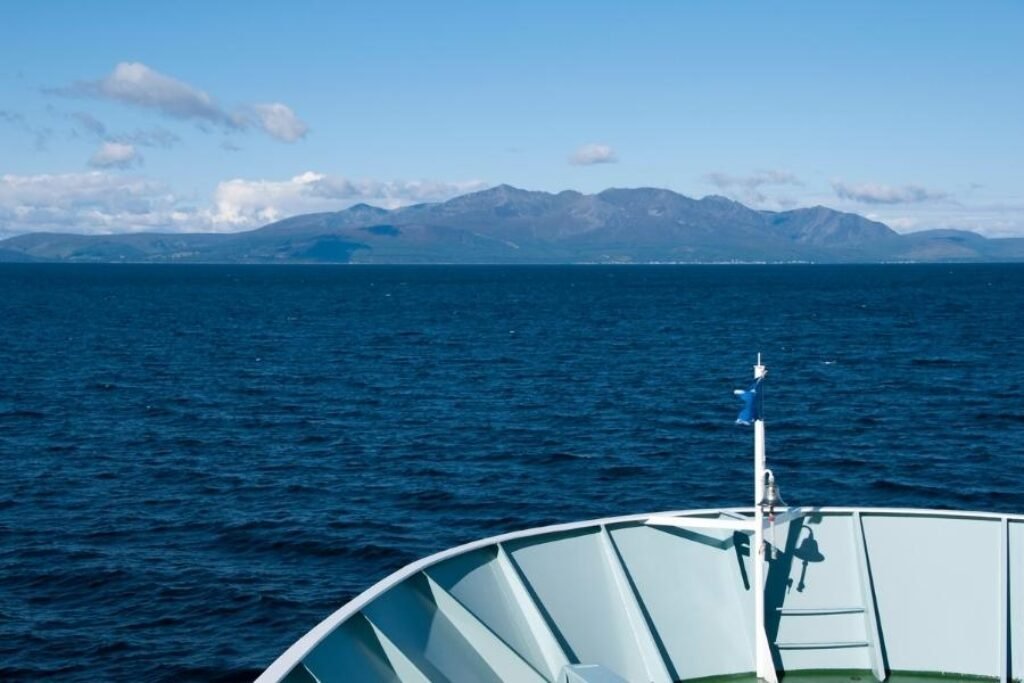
201 462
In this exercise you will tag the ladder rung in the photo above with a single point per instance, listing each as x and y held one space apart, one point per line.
822 646
812 611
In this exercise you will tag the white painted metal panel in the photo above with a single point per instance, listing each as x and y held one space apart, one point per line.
476 579
572 580
938 586
408 617
694 593
351 653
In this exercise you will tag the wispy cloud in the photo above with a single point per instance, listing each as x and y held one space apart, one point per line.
591 154
138 85
11 117
752 181
115 155
876 193
41 135
749 188
88 125
151 137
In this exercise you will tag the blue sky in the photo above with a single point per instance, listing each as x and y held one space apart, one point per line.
118 116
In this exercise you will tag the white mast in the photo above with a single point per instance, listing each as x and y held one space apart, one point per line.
769 494
765 664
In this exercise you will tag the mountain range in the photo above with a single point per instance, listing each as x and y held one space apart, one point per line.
505 224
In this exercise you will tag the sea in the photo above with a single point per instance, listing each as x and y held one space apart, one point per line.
202 462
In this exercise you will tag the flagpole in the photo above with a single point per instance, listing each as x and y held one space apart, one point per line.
765 666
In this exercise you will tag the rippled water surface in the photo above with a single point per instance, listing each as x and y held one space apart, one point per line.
201 462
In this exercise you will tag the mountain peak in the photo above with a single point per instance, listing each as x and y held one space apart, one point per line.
494 198
366 208
503 190
719 199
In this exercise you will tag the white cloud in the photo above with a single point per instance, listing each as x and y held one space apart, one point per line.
594 153
136 84
991 220
102 202
245 203
279 121
115 155
875 193
898 223
92 202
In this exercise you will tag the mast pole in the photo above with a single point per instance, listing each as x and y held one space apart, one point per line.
765 664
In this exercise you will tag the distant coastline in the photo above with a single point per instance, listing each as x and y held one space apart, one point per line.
506 226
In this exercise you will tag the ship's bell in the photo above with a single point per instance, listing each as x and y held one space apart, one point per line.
772 498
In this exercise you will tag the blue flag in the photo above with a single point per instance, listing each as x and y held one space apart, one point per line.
751 403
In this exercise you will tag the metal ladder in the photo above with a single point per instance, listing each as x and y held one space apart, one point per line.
872 640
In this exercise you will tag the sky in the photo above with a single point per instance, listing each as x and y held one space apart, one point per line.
223 116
